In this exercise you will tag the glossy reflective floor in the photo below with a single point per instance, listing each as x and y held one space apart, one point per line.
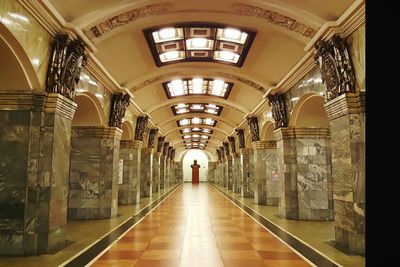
197 226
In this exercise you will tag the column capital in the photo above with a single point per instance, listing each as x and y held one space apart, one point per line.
348 103
299 133
258 145
131 143
97 131
246 151
46 102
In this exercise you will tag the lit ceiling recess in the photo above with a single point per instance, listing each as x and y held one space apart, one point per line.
197 86
197 108
199 42
196 121
196 130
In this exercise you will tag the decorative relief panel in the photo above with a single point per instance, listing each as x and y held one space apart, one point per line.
141 125
160 143
335 65
277 103
128 17
275 18
254 131
68 57
240 135
231 140
118 109
152 135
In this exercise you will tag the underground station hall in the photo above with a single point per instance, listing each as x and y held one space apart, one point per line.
182 133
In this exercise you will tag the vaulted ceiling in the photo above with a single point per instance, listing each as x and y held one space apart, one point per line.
282 29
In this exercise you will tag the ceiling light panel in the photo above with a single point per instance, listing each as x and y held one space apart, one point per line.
196 130
197 86
199 42
197 108
197 121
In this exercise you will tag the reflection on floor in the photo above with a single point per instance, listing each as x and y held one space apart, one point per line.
197 226
82 234
318 235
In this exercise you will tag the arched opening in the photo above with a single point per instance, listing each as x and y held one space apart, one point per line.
309 112
19 75
88 112
267 133
202 159
127 133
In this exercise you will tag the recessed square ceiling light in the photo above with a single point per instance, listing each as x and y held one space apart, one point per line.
196 86
199 42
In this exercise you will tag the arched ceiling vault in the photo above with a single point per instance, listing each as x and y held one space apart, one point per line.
283 28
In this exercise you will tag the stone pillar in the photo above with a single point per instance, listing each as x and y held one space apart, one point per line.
247 172
179 172
347 124
228 172
129 190
93 184
304 173
265 173
35 134
146 172
156 172
166 170
236 177
162 172
211 171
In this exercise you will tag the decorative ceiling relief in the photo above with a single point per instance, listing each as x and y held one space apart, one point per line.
275 18
242 80
127 17
153 80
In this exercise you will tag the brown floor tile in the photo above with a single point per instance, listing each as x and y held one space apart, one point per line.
157 263
201 263
235 246
114 263
164 245
276 255
161 254
286 263
244 263
239 255
121 254
129 246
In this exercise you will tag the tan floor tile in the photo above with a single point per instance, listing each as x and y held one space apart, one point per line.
201 263
132 246
240 255
244 263
157 263
114 263
161 254
286 263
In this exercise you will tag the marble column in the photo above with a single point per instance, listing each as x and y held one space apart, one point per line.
162 172
166 172
228 172
179 172
35 134
347 123
236 177
129 189
211 171
247 172
304 173
265 173
156 172
146 172
93 184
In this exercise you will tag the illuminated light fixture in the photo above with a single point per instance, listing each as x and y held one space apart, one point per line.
211 111
181 105
167 34
187 136
197 107
232 35
199 44
209 121
196 86
226 56
184 122
196 120
196 129
177 87
204 136
202 145
212 106
205 130
172 55
195 135
186 130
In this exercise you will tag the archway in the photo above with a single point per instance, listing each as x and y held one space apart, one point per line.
188 159
309 112
267 133
88 112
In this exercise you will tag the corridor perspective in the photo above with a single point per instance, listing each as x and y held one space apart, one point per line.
182 133
197 226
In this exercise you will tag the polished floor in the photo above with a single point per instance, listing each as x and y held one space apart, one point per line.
197 226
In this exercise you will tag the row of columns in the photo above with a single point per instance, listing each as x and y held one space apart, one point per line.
51 171
309 173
